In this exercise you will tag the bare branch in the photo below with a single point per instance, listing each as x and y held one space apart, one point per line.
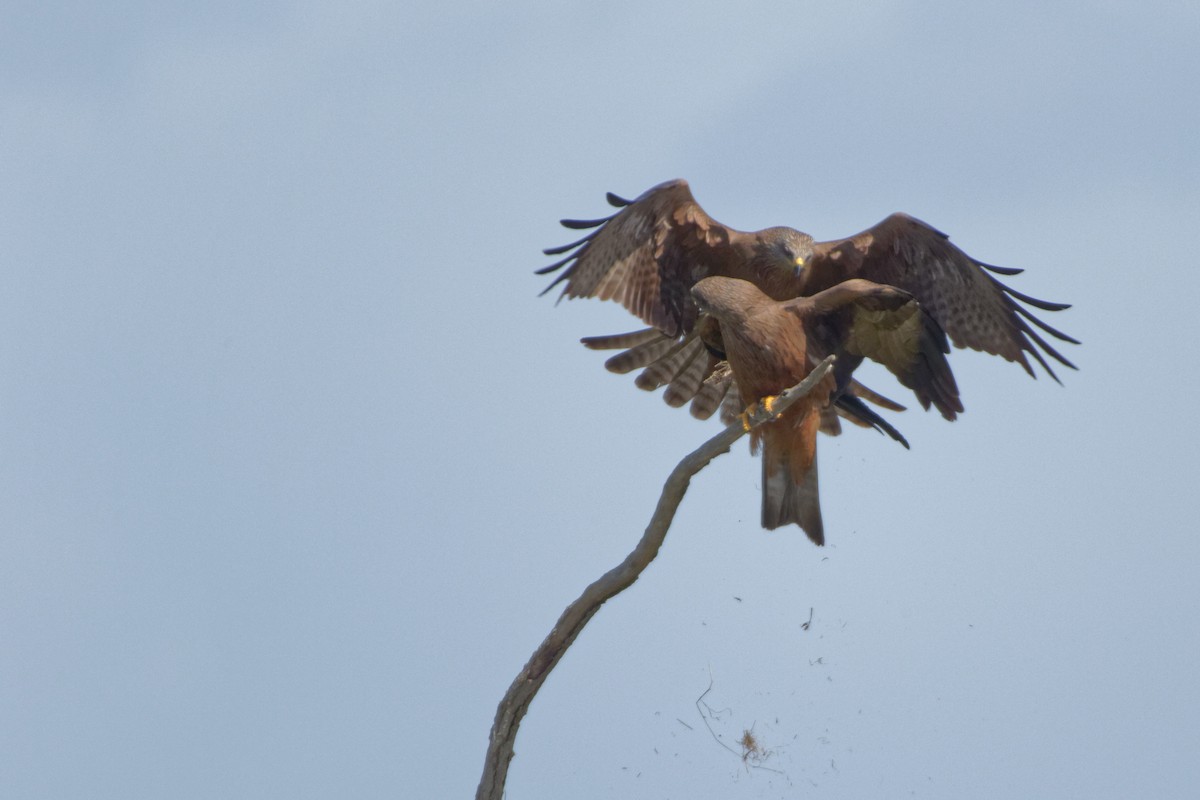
525 687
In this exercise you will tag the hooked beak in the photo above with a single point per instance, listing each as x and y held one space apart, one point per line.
799 266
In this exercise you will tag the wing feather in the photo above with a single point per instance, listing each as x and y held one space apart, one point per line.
643 355
646 256
713 392
617 201
688 381
974 309
887 325
618 341
666 368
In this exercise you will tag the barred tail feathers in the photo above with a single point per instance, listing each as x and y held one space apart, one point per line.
789 476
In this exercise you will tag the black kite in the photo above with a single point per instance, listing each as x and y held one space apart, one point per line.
767 344
649 255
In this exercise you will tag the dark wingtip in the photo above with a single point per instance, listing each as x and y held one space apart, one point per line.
887 430
1048 329
562 248
616 201
1022 316
555 282
1044 305
582 224
1001 270
1054 353
552 267
856 406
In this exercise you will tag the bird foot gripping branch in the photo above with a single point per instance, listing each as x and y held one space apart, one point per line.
764 408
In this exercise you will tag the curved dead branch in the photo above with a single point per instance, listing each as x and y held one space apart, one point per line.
525 687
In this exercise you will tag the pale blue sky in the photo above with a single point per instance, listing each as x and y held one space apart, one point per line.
296 469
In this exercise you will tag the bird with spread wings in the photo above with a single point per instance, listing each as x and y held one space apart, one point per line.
652 253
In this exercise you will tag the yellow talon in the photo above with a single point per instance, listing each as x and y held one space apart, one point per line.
768 405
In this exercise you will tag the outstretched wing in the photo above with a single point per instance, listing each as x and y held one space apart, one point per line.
974 308
858 318
646 256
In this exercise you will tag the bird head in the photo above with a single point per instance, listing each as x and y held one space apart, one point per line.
787 249
727 299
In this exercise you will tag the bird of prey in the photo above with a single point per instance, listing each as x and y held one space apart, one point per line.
649 255
655 249
766 343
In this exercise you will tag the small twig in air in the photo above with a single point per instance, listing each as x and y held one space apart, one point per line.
701 706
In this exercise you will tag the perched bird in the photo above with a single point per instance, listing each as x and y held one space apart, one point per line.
769 347
651 253
735 316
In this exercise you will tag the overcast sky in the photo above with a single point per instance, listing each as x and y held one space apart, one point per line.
296 469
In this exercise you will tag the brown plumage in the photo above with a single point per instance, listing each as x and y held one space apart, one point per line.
649 255
769 345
